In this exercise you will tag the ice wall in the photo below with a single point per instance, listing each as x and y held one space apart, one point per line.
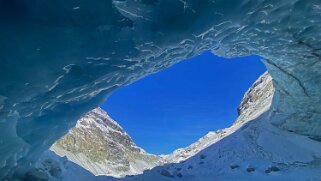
60 59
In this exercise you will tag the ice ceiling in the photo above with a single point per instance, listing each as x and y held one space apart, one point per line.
60 59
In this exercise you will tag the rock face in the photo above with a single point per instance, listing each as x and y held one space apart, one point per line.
100 145
255 102
61 59
251 149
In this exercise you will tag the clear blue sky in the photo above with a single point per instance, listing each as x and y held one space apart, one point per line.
175 107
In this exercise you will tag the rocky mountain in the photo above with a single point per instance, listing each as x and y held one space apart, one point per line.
100 145
113 152
251 149
60 59
254 102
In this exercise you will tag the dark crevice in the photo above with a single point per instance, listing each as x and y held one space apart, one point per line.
300 42
316 55
315 138
290 75
313 163
282 91
314 50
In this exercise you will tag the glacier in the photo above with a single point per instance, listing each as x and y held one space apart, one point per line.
60 59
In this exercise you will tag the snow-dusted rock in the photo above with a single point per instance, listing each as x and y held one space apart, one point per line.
100 145
256 101
251 149
60 59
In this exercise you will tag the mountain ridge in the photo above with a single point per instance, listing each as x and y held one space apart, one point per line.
100 145
251 149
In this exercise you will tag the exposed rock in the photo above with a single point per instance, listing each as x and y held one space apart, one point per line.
101 146
61 59
234 166
166 173
255 101
251 144
179 175
250 169
272 169
202 156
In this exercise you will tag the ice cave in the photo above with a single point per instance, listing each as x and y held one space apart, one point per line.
61 59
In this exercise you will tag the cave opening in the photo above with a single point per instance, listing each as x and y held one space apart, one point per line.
60 60
175 107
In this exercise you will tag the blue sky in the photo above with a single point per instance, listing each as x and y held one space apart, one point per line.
175 107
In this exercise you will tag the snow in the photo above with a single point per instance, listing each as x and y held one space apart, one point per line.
256 101
251 149
101 146
239 149
40 101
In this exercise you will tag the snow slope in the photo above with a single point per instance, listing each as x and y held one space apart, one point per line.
251 149
113 143
255 101
100 145
182 154
255 151
61 59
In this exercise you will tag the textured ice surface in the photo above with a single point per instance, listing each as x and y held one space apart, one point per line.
60 59
251 149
